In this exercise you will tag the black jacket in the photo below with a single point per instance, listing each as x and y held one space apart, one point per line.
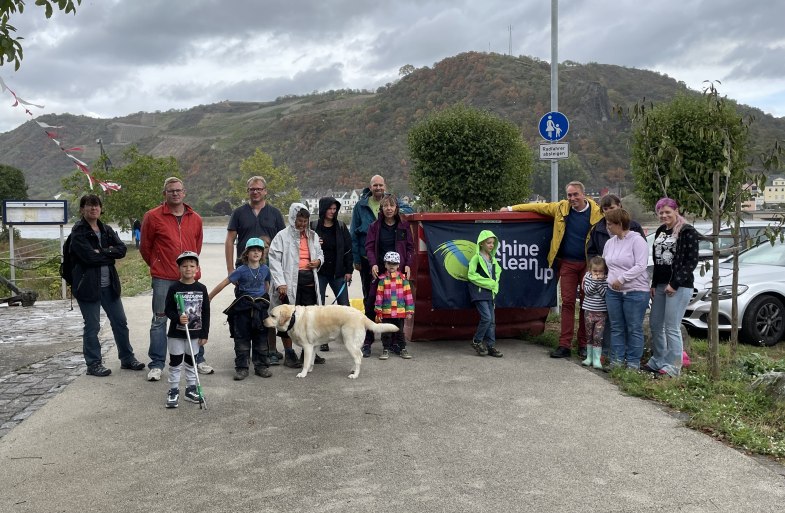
87 261
343 256
599 236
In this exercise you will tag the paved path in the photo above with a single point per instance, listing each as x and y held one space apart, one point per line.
447 431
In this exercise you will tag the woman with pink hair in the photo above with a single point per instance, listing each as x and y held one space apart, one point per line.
675 254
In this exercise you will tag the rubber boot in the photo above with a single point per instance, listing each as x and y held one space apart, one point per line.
595 361
589 356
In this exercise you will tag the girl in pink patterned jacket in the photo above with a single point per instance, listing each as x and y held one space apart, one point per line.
394 303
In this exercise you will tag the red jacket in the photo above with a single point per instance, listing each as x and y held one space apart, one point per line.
163 240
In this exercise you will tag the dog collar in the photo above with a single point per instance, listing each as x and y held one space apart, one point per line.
291 322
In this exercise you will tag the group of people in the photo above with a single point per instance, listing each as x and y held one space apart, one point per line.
275 264
599 252
602 258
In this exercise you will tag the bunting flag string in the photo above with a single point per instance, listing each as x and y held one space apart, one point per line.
49 130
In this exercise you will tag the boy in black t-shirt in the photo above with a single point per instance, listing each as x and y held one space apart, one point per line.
197 317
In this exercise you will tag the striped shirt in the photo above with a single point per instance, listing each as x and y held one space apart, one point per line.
594 294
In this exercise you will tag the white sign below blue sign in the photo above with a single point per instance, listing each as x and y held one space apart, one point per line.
554 126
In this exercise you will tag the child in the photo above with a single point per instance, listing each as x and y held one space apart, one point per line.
247 312
595 311
484 272
197 317
394 302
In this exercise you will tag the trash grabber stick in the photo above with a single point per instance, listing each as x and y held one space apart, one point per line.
181 307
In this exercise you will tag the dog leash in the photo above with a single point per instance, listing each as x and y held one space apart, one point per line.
339 292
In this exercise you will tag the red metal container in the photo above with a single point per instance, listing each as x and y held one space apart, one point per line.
430 324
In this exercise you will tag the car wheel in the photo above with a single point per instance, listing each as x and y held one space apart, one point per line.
764 321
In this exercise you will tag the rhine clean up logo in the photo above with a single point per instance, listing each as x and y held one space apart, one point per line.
516 257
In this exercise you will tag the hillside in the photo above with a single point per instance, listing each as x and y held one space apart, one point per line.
338 139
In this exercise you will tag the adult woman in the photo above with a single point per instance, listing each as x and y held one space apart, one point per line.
675 254
94 249
294 259
626 255
388 233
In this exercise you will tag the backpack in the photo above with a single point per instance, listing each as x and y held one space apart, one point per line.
67 265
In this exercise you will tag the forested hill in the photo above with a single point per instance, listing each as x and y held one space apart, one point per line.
338 139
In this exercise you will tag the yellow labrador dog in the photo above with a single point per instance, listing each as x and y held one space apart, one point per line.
311 326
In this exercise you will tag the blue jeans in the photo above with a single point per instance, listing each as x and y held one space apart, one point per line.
91 313
335 285
486 329
665 322
626 311
157 351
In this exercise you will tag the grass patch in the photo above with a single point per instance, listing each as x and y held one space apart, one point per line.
728 408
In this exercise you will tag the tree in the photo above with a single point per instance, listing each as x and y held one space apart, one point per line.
467 159
142 182
693 149
282 188
12 183
10 47
406 69
678 145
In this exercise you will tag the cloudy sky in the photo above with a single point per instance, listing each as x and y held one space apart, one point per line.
117 57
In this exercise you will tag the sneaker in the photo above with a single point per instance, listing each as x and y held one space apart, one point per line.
154 374
204 368
492 351
262 371
479 347
132 365
273 359
385 354
405 354
98 369
173 398
192 395
561 352
324 348
240 374
366 349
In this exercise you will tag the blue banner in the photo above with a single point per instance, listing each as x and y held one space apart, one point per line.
526 280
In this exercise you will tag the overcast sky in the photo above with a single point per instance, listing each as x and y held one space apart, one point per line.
117 57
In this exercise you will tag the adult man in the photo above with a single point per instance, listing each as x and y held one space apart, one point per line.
365 212
253 219
573 219
168 230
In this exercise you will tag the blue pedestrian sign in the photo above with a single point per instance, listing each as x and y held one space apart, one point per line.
554 126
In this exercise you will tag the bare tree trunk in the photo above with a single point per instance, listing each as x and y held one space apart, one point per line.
714 332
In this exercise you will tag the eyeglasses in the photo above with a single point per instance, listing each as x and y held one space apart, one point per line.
256 189
175 191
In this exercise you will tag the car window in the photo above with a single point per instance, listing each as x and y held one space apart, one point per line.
766 254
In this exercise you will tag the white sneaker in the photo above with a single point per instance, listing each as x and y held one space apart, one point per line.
154 374
204 368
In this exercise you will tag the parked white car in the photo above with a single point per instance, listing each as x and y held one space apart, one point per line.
761 296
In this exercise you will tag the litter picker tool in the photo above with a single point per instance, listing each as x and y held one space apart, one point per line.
181 308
